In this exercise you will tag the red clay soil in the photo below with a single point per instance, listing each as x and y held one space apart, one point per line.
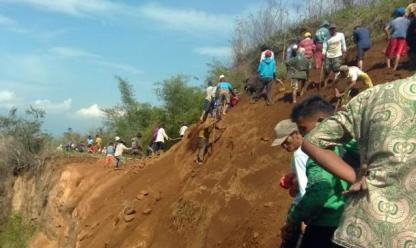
233 200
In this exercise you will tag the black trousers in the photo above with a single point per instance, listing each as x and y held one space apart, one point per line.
318 236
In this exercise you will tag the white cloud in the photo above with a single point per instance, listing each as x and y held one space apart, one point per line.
191 20
72 7
53 107
92 111
7 98
124 67
68 52
6 21
221 51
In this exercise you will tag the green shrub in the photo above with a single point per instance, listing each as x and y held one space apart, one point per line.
15 233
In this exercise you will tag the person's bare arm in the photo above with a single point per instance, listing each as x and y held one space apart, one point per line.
330 161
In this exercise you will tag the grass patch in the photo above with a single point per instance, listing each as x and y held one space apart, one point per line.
15 233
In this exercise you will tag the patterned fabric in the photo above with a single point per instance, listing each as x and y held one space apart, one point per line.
382 120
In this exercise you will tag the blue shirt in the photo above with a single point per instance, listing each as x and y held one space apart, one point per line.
110 150
362 37
398 27
267 68
225 86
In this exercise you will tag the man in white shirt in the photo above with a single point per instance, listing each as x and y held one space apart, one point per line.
209 98
290 139
160 139
334 49
118 154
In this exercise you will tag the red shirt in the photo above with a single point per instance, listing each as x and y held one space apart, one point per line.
309 47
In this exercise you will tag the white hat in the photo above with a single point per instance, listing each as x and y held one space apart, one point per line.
283 130
222 76
117 138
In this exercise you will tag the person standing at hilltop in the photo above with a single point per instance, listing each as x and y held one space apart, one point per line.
362 39
396 32
321 35
98 142
224 91
161 137
334 50
289 138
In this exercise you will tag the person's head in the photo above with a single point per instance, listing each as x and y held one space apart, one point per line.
400 11
343 69
268 53
117 138
139 135
411 10
333 29
111 144
221 78
235 91
324 24
307 35
209 83
310 112
97 136
89 137
287 136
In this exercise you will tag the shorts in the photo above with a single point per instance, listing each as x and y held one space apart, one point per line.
396 47
109 159
361 52
225 96
332 64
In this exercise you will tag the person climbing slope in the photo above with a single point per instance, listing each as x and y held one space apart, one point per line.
224 92
309 48
321 36
334 49
161 137
208 101
396 32
354 74
382 200
206 138
298 73
362 39
118 154
289 138
109 154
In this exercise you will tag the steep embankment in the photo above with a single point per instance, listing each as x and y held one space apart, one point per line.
231 201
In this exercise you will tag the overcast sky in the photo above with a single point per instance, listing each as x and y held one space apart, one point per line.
62 55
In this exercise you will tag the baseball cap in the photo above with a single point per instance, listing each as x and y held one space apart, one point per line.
222 76
283 129
307 34
117 138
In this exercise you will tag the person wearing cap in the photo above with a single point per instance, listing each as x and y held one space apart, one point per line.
321 35
309 46
289 138
334 49
161 137
396 32
263 50
118 154
224 91
208 101
322 205
352 73
362 39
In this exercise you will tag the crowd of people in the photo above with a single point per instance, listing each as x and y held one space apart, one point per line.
352 175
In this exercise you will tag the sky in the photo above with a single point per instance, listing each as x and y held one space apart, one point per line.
63 55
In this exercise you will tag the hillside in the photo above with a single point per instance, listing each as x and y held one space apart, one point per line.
231 201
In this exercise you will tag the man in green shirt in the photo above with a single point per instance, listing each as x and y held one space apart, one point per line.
323 203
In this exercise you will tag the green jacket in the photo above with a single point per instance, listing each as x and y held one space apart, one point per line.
297 68
323 202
